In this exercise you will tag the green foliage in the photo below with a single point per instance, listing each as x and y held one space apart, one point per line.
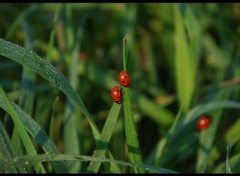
59 62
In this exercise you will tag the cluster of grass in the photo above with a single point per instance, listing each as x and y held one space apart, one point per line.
59 62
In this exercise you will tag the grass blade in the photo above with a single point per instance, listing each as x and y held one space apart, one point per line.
36 131
28 76
21 18
206 142
134 152
149 61
207 136
104 139
221 168
205 108
71 142
53 33
156 113
231 134
184 63
178 150
188 123
6 151
157 153
228 166
26 97
20 128
111 168
64 157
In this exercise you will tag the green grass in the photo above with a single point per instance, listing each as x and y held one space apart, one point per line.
59 62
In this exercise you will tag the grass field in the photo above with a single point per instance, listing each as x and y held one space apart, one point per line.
59 63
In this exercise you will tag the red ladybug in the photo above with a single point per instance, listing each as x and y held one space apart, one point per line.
116 94
124 79
203 122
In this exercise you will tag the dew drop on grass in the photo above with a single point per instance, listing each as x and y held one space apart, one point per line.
135 165
27 162
88 159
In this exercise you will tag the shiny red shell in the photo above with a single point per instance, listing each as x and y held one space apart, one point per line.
124 79
203 122
116 94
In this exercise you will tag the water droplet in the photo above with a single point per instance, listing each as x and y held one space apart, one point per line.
135 165
15 160
27 162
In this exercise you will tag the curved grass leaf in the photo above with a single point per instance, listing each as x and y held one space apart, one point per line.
41 66
64 157
204 108
185 125
207 136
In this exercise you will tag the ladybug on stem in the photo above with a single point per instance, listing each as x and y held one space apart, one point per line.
124 79
203 122
116 94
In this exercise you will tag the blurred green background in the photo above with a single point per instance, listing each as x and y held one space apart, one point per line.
181 58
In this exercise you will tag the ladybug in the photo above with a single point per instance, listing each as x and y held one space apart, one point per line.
124 79
116 94
203 122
